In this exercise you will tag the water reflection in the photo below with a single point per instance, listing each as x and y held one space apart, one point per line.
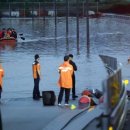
7 45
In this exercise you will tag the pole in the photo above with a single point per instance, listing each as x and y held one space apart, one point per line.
33 10
87 24
55 8
24 10
44 11
9 10
55 13
67 27
77 2
39 10
97 6
83 8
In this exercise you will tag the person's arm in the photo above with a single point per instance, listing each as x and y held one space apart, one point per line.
74 66
39 70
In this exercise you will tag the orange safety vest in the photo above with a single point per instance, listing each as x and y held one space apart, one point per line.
35 68
1 76
66 71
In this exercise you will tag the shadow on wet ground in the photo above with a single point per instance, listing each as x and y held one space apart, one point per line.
28 114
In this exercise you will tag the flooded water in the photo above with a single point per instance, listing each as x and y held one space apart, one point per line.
108 36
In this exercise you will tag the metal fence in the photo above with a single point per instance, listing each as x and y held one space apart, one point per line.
110 63
40 9
115 97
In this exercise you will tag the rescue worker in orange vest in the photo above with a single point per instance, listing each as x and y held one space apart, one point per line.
1 78
36 75
65 80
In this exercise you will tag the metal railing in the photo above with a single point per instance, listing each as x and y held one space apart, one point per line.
40 9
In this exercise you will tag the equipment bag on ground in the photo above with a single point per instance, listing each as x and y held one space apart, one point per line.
49 98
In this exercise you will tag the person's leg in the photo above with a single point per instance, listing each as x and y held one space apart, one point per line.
73 88
60 95
35 89
67 95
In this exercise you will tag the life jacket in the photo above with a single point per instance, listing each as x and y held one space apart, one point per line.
1 76
13 34
35 68
66 71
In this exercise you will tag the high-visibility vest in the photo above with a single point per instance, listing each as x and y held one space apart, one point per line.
35 68
1 76
66 71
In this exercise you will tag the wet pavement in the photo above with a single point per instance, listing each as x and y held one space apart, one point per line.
28 114
127 121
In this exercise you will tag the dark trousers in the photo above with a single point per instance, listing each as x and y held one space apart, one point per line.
73 86
36 92
67 95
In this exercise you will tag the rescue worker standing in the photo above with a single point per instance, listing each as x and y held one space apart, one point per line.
73 76
65 80
1 78
36 75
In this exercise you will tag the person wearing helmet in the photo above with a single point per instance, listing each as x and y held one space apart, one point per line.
36 75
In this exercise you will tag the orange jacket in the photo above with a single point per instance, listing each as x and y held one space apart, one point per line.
36 70
66 71
1 75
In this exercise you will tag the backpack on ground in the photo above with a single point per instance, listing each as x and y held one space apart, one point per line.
49 98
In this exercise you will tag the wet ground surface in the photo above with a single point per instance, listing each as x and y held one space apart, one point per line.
29 114
127 121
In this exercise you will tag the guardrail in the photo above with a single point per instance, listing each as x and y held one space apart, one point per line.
114 107
115 97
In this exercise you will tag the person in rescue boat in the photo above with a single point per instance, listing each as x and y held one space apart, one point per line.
65 80
2 33
1 78
8 33
13 33
36 75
